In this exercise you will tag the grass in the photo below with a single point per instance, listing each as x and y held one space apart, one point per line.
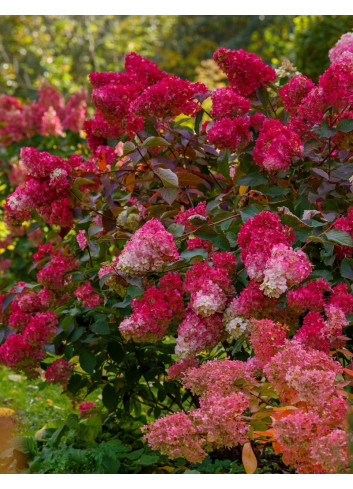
34 402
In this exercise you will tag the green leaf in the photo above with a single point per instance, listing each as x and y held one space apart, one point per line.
345 125
169 178
149 127
198 120
189 254
326 131
129 147
176 229
253 179
87 361
219 239
66 322
155 141
340 237
101 327
34 226
148 459
109 397
169 194
347 268
262 95
223 163
250 211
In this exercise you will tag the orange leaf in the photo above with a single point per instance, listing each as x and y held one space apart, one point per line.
248 458
349 372
130 182
277 447
102 162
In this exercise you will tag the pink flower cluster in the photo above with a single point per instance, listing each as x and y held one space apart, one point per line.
197 333
283 269
245 71
310 446
334 92
183 217
295 91
149 248
158 310
86 409
217 423
257 237
58 372
227 103
49 115
85 294
343 45
345 224
123 100
276 147
251 303
43 190
233 134
266 338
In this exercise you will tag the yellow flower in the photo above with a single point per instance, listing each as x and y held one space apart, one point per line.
6 412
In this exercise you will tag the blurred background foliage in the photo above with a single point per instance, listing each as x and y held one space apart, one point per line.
65 49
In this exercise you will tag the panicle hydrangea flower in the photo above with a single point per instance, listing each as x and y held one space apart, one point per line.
289 372
295 433
257 236
43 252
199 243
179 369
252 303
227 103
51 123
283 269
225 260
345 43
312 332
345 224
40 164
308 297
219 420
81 239
152 315
331 452
208 288
236 326
143 70
337 82
183 216
53 276
86 409
276 146
87 296
219 378
113 101
208 299
149 248
232 134
176 436
310 446
294 91
41 329
17 353
266 338
245 71
58 372
197 333
341 298
168 98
